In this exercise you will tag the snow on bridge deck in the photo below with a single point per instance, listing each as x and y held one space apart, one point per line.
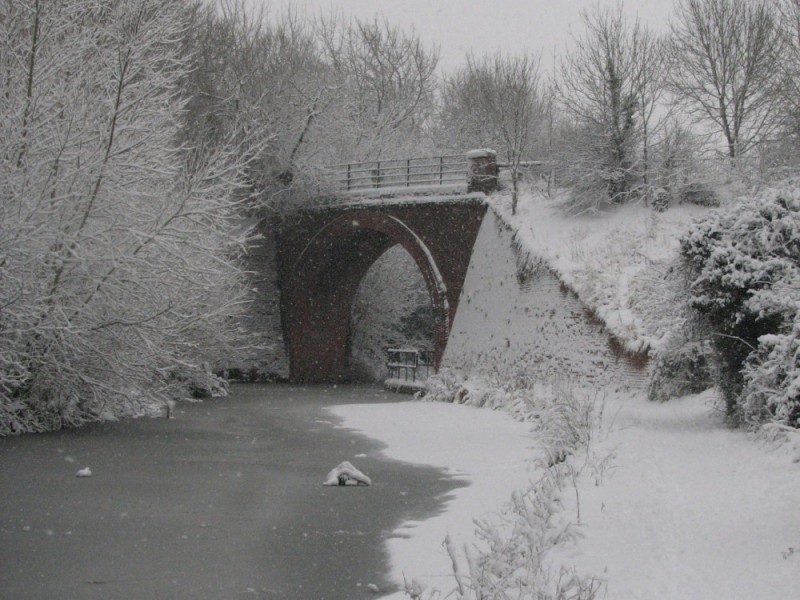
400 196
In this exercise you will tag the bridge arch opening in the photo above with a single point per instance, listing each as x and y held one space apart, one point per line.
391 309
327 275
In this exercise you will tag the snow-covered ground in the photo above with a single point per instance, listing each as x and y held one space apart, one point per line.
685 508
672 505
666 502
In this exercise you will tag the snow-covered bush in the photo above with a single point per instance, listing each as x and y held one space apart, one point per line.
699 194
487 381
683 362
563 416
197 382
745 280
509 563
772 379
659 199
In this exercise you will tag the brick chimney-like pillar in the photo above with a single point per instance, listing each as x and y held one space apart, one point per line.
482 172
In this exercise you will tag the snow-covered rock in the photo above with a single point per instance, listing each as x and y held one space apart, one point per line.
346 474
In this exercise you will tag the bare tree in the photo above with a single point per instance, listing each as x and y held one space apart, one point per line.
307 94
460 125
508 98
261 79
725 71
650 70
495 101
551 118
118 247
386 82
609 88
788 142
789 11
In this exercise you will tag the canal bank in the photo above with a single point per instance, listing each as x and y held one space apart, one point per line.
225 501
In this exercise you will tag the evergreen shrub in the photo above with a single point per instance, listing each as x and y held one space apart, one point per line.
744 265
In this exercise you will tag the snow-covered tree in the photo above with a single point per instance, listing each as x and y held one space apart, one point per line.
783 152
772 379
495 102
726 57
261 79
609 87
301 95
118 246
385 81
650 69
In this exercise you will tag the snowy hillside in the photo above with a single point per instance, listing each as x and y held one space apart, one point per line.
516 320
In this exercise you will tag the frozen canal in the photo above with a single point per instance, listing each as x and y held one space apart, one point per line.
225 501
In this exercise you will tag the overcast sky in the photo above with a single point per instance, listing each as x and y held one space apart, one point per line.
483 26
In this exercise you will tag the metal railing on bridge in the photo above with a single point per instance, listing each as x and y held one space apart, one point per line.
405 172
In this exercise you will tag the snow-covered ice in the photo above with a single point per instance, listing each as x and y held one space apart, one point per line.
488 449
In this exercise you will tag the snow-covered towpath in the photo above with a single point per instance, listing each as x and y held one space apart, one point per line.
687 509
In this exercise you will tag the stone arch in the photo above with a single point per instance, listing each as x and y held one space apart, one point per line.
326 276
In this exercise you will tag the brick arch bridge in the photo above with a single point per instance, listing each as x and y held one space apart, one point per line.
324 253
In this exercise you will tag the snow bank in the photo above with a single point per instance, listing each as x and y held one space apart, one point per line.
515 319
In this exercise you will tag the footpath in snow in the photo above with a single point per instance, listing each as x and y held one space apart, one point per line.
678 506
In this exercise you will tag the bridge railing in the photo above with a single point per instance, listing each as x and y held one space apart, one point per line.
406 172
